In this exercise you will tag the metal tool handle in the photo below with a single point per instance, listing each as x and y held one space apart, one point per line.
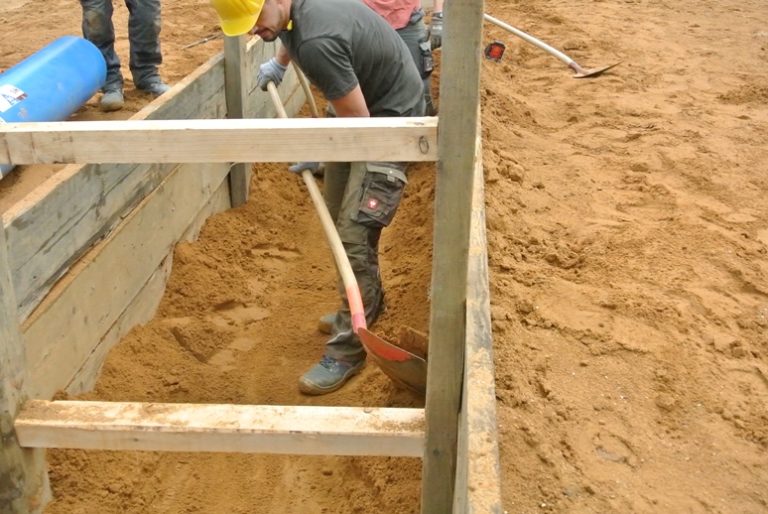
532 40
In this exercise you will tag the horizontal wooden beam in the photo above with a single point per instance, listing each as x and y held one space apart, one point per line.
247 140
300 430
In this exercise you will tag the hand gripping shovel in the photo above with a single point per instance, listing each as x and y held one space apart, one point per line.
400 365
580 73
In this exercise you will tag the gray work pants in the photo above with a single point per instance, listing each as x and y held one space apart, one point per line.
362 198
143 34
416 39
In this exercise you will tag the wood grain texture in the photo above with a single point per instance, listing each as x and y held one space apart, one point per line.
459 124
299 430
199 141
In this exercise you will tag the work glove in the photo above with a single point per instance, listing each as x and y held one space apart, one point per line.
314 167
436 30
270 71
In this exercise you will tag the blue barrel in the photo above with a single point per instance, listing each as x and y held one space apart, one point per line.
52 83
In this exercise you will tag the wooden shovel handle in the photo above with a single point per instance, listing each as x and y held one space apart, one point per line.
354 298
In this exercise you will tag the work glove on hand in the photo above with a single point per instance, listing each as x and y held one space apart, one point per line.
436 30
314 167
270 71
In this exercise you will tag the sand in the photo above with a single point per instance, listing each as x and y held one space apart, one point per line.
628 249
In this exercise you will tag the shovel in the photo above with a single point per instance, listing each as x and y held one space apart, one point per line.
402 366
580 72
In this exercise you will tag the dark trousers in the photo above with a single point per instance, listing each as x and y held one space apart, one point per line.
143 34
416 39
345 186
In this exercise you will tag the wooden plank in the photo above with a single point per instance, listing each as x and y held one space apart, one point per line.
478 480
141 309
300 430
56 223
45 246
23 481
80 309
257 140
235 73
459 114
143 306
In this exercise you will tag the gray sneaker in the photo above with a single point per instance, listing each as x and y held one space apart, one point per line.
155 88
112 100
328 375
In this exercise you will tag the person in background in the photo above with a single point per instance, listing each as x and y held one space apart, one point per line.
144 37
364 69
406 17
436 25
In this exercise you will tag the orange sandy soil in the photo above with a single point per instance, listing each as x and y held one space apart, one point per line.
628 250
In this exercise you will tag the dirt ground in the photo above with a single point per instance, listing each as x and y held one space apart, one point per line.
629 276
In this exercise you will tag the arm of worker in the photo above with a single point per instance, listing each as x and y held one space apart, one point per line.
351 105
274 69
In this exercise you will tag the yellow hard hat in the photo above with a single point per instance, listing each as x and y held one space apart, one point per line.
237 17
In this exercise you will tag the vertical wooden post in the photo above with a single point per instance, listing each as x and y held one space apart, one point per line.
23 481
236 90
459 114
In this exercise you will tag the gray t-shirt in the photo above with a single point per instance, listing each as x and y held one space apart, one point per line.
342 43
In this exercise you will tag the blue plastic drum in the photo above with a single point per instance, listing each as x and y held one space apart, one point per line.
51 84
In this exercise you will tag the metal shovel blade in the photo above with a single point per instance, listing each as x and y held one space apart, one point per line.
583 73
402 366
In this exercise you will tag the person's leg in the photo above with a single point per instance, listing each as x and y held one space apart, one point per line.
334 185
416 39
144 24
335 177
98 29
361 244
370 198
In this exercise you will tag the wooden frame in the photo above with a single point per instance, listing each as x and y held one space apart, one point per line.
203 141
54 228
458 158
455 434
478 476
23 480
56 224
299 430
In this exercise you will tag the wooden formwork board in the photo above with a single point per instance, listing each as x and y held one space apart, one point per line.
23 481
478 475
204 141
459 157
71 322
53 226
469 448
273 429
50 230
